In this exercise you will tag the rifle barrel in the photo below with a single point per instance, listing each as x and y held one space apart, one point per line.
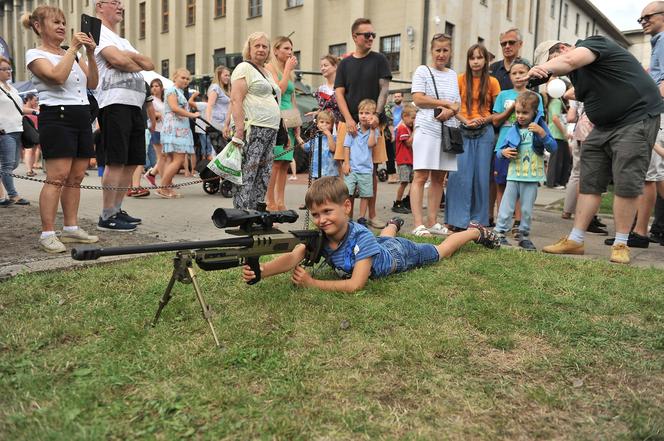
94 253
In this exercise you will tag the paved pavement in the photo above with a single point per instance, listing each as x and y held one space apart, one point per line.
189 218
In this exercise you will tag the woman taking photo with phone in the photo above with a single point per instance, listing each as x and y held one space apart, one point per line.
61 78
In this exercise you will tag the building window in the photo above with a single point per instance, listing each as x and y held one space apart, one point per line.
587 29
141 20
480 40
390 46
191 63
255 8
294 3
565 8
164 16
337 49
297 55
553 8
191 12
509 10
220 8
483 3
576 25
165 68
219 57
449 29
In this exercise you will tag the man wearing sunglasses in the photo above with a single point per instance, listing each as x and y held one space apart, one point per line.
624 103
652 22
363 74
510 44
121 94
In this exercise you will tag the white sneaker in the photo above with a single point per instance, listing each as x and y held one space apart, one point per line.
439 230
78 236
420 231
51 244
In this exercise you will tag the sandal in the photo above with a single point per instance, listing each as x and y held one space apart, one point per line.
421 231
165 195
20 201
439 230
30 173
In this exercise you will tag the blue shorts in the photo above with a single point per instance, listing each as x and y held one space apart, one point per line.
500 167
408 254
155 138
363 181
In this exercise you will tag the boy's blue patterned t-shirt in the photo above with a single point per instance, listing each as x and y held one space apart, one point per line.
359 243
329 165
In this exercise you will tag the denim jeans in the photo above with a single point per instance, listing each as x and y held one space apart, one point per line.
10 153
150 154
526 193
407 254
467 197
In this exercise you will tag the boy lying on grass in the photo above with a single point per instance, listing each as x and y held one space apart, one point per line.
354 252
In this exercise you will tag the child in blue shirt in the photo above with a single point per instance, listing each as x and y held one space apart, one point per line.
326 162
353 251
523 145
358 161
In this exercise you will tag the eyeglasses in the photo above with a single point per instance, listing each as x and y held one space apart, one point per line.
510 42
366 35
441 37
114 3
6 69
647 17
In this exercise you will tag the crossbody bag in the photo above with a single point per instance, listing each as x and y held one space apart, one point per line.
30 135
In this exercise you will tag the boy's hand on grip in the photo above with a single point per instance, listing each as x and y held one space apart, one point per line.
301 277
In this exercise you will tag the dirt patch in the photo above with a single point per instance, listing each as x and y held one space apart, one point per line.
20 227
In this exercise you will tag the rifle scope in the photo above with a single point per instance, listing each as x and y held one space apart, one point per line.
248 219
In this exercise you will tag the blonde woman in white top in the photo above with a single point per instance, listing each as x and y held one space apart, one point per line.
62 79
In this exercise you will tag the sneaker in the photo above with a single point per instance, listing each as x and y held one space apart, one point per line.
362 221
130 193
502 240
634 241
124 216
141 193
527 244
421 231
596 228
564 246
113 223
515 228
487 237
439 230
598 222
397 222
398 207
78 236
51 244
405 202
620 253
377 223
150 178
559 187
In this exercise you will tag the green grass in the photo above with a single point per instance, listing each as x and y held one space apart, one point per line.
487 345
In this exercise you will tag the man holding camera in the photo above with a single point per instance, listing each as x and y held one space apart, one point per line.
624 103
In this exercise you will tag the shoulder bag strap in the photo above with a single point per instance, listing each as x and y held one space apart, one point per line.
442 123
274 93
12 100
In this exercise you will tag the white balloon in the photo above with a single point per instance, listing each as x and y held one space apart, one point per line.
556 88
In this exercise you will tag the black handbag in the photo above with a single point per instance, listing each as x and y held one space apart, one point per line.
452 141
282 133
30 135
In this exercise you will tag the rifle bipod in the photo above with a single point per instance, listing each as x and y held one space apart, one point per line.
183 272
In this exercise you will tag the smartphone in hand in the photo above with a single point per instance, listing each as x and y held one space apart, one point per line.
91 25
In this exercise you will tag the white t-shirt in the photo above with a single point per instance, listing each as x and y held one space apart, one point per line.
72 93
260 108
116 86
158 106
10 120
201 106
448 89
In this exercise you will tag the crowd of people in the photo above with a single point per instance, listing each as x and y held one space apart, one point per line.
511 136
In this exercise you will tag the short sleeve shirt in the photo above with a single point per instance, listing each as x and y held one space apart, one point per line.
528 166
360 76
73 92
615 88
221 105
475 111
505 100
498 71
116 86
259 105
404 153
555 108
361 160
358 244
328 165
448 89
657 58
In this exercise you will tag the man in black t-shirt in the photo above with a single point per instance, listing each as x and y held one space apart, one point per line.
363 74
624 103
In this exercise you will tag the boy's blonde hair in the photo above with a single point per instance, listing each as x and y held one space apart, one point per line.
366 103
409 109
528 99
326 115
326 189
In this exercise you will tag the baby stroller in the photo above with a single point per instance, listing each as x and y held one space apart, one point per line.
212 183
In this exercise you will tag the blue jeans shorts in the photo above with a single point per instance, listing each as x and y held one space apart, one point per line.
363 181
407 254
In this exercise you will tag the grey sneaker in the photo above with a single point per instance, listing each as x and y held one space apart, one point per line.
78 236
51 244
115 224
